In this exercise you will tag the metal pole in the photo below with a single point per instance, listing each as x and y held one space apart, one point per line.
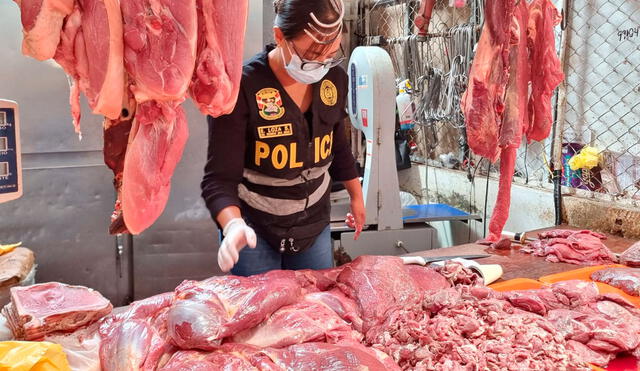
558 128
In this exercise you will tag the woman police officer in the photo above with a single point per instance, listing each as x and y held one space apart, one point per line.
271 161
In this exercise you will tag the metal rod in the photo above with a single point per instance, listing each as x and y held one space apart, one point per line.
558 128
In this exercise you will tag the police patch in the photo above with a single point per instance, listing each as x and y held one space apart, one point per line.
328 93
275 131
270 104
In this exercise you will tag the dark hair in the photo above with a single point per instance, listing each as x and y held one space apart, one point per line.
293 15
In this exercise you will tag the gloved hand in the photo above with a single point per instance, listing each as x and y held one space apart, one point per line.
237 235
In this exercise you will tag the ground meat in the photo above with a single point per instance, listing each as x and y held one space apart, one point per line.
467 328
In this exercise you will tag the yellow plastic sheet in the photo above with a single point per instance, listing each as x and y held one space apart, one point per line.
32 356
588 158
8 248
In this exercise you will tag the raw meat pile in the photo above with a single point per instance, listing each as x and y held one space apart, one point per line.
38 310
573 247
516 51
371 314
596 327
626 279
136 61
631 256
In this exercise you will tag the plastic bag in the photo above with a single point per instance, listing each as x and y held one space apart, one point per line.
32 356
588 158
8 248
81 347
5 330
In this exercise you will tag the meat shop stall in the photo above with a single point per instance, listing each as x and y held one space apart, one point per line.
497 145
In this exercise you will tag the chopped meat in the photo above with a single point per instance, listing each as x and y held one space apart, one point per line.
565 233
41 24
631 256
566 294
626 279
459 331
41 309
574 247
216 80
137 339
302 322
206 312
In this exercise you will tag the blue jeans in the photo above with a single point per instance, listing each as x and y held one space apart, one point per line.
264 258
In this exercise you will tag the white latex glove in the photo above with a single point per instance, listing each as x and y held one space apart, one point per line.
237 235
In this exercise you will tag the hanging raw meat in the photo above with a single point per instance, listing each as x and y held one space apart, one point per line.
116 140
514 121
159 135
546 71
160 47
135 60
216 81
516 49
483 102
90 52
41 25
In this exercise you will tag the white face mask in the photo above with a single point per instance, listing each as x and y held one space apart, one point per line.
294 69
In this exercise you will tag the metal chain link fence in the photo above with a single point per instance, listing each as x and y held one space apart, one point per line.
602 96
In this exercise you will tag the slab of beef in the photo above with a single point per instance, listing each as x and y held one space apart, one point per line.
626 279
38 310
323 356
206 312
137 339
41 26
573 247
91 51
342 305
196 360
483 102
631 256
216 80
516 50
160 47
301 322
158 137
546 71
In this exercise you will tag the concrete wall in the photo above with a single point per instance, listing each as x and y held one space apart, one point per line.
531 208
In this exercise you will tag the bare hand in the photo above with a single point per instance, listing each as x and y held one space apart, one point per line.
357 217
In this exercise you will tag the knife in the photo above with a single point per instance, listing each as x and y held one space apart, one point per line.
424 260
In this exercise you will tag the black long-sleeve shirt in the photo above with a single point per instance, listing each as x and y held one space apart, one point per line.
268 159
